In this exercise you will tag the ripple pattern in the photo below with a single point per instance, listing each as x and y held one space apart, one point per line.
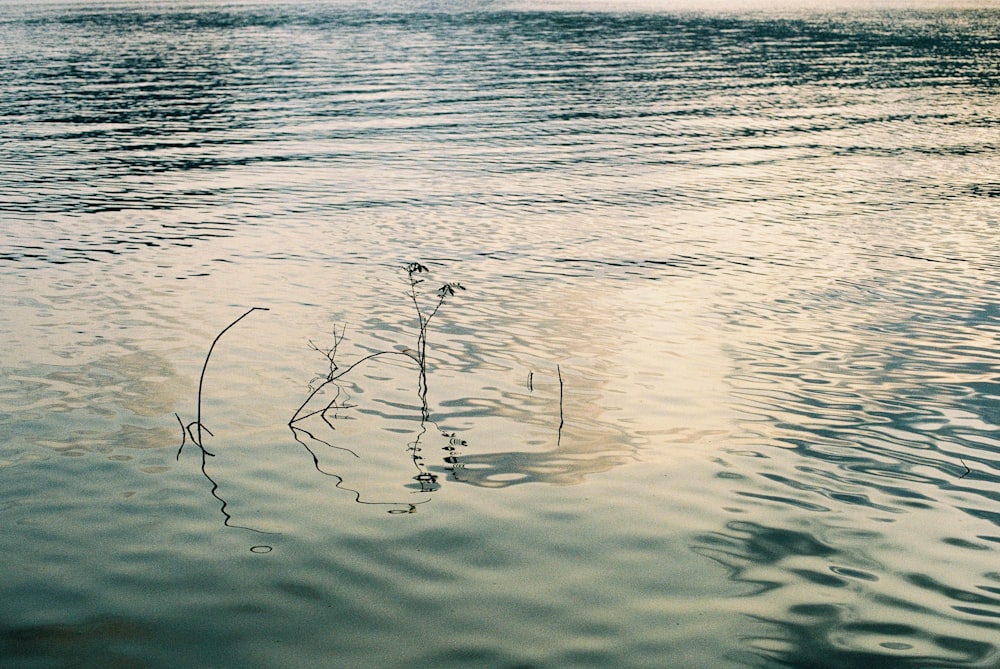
723 389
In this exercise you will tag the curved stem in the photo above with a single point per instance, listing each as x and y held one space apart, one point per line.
204 367
297 417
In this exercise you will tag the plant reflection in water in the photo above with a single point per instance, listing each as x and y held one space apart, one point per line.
196 430
426 482
328 402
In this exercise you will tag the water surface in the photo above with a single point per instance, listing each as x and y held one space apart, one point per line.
721 389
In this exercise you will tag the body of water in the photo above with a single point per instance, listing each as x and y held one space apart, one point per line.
719 387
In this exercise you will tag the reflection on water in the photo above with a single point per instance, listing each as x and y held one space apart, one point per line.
731 286
357 415
850 618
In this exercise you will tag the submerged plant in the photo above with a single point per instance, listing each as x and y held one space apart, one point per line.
326 397
419 355
426 481
196 430
413 271
318 410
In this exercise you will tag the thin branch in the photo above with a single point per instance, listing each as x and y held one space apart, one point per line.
559 435
426 479
195 429
297 417
204 367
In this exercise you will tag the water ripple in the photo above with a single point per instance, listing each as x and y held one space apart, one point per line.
731 288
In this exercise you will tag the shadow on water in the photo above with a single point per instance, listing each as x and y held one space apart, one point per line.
97 642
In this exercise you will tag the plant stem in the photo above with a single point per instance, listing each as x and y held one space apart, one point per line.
204 368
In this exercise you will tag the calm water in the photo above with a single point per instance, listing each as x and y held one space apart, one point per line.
723 389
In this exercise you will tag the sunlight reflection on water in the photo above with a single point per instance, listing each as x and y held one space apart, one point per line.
723 386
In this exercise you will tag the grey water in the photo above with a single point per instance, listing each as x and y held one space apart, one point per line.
722 388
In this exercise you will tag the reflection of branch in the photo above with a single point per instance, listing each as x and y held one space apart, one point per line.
410 506
427 481
195 429
186 431
453 453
